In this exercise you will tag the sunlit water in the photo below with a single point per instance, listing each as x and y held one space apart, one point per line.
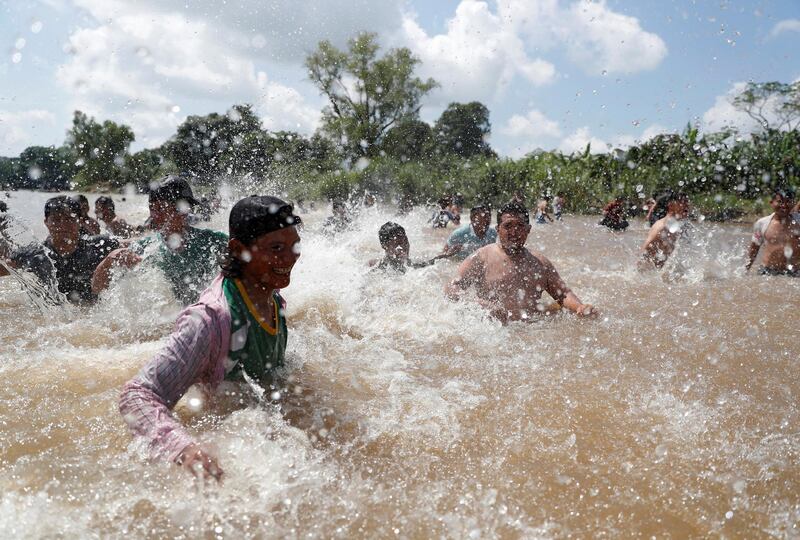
405 415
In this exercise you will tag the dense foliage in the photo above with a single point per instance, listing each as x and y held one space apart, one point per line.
372 140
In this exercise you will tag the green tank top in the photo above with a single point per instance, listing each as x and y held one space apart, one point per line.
256 346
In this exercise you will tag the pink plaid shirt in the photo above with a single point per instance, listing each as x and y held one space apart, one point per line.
194 353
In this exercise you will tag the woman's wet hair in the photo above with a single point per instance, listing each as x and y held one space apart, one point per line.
515 209
390 231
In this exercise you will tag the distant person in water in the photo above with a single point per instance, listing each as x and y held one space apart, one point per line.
3 218
558 205
657 208
235 332
443 216
664 233
542 214
396 247
89 226
106 212
339 221
66 258
777 237
474 235
456 207
509 279
188 256
614 215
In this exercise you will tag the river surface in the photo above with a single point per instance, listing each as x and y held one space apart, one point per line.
407 416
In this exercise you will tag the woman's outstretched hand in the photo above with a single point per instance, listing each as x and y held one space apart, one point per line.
199 463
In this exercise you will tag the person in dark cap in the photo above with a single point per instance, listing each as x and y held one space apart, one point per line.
66 258
187 255
106 212
236 331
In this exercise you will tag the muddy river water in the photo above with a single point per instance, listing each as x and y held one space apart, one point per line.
407 416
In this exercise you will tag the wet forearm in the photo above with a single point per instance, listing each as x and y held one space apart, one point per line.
752 253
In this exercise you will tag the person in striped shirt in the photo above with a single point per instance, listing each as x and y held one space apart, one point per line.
235 331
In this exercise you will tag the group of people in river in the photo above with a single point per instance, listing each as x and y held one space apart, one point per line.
233 326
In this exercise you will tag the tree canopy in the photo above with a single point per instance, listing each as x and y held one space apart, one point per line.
774 105
366 95
463 129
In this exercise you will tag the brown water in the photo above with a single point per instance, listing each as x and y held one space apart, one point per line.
674 415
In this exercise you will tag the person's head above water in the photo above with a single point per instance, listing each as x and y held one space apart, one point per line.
513 226
394 240
480 217
264 243
783 199
3 211
104 208
171 201
677 203
62 216
339 208
84 204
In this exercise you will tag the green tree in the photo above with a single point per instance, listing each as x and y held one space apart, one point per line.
100 149
366 95
463 129
9 173
46 168
144 167
774 105
410 139
207 146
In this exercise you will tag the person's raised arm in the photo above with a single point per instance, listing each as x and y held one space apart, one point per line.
146 402
101 278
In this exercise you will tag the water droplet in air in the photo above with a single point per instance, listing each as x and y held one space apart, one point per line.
36 26
20 43
16 57
728 514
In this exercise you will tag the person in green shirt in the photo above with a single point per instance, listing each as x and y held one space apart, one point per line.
187 255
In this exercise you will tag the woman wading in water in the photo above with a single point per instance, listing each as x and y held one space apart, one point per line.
236 331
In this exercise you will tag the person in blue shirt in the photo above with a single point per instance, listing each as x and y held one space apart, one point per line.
470 237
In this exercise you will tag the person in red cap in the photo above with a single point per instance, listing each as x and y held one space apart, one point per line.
236 331
187 255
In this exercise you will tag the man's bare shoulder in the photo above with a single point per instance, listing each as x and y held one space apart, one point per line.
537 257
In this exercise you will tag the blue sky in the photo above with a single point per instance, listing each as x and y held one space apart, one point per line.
554 74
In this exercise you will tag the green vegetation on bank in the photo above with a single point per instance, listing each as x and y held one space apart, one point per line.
371 139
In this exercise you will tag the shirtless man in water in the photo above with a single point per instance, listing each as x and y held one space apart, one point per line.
665 232
509 279
779 236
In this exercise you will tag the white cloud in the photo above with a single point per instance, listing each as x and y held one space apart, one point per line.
653 131
786 25
477 56
595 37
147 64
578 139
723 114
534 124
18 129
482 50
599 39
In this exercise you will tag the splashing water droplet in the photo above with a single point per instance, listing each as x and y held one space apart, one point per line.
36 26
